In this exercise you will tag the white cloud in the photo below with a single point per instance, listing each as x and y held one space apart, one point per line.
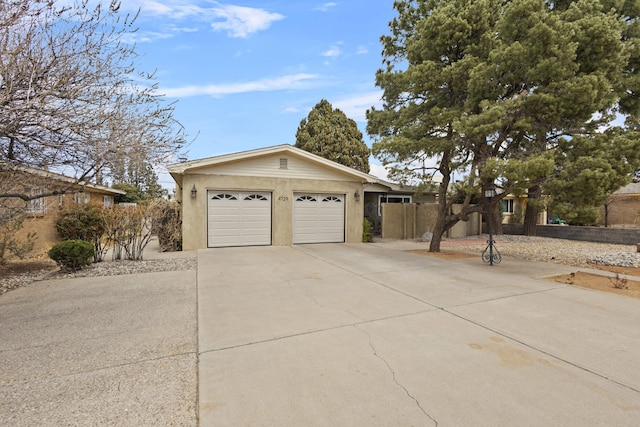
240 21
362 50
170 9
293 110
355 107
145 36
332 52
378 170
294 81
326 6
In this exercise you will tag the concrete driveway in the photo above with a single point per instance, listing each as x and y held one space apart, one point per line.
367 335
100 351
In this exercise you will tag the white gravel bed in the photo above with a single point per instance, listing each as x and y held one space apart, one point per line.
560 251
114 268
105 268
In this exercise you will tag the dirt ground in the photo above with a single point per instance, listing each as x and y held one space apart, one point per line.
617 285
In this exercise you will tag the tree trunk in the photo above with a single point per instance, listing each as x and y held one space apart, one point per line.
496 216
531 212
438 231
441 219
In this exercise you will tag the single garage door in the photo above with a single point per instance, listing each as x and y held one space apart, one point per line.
318 218
238 218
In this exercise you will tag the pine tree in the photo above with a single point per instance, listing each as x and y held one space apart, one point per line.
329 133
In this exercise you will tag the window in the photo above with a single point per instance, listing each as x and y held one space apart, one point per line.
81 198
284 163
36 206
256 197
224 196
306 199
332 199
392 199
507 206
106 201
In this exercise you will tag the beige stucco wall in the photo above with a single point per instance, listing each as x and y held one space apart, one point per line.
412 220
471 227
407 220
194 224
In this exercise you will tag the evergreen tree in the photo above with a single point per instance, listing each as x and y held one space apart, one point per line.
487 88
329 133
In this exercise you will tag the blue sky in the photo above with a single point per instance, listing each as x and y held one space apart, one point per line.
244 73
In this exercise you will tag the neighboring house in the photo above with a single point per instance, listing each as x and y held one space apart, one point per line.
513 210
41 213
279 195
622 208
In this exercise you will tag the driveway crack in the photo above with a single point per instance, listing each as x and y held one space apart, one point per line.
395 378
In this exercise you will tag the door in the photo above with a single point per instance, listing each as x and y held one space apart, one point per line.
318 218
238 218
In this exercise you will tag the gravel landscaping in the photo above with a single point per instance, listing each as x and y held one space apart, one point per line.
25 272
568 252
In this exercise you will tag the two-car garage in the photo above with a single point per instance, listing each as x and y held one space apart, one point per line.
277 196
244 218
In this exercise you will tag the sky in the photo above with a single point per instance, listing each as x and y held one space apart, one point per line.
244 73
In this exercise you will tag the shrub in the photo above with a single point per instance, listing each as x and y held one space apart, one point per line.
83 222
72 255
367 228
80 222
167 225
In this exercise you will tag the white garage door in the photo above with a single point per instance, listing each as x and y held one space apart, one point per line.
238 218
318 218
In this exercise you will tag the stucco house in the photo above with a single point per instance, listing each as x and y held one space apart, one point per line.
41 213
513 209
278 195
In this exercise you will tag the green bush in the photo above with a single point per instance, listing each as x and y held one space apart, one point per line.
367 235
72 255
80 222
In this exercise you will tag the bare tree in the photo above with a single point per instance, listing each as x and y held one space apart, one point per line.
71 98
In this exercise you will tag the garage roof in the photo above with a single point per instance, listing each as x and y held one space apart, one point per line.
177 170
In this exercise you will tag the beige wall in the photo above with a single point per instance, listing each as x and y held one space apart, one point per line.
412 220
407 220
194 224
471 227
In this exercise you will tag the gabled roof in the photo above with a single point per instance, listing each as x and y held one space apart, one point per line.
177 170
